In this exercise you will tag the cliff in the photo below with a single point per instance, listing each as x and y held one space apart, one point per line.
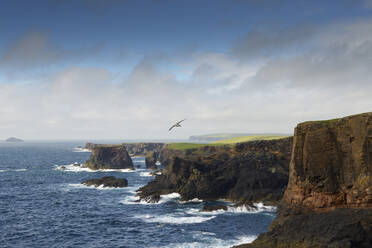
109 157
328 201
332 164
141 149
244 173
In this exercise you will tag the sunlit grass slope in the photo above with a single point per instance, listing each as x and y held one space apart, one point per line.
248 138
231 141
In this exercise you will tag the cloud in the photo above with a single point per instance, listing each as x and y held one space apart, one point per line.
36 50
215 92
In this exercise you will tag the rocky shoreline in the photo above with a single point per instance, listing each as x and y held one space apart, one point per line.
243 173
320 180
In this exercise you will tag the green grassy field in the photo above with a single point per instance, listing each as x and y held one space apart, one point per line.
184 146
231 141
248 138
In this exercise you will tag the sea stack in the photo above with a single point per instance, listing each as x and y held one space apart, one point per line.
109 157
328 201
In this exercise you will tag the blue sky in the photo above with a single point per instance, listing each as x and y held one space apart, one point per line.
127 69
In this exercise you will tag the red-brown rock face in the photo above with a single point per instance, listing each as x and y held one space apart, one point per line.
331 164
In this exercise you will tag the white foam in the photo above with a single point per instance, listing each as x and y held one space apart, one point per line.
169 197
192 200
210 241
83 186
80 149
73 168
146 174
258 208
131 199
13 170
173 219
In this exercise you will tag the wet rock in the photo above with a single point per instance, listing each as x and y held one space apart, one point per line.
151 198
211 208
109 181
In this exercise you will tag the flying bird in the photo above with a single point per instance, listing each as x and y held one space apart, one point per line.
178 124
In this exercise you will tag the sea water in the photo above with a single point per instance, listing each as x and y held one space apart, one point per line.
42 205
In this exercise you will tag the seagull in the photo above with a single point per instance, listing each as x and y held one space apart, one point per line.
176 125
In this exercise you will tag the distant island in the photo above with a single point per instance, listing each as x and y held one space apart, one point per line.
12 139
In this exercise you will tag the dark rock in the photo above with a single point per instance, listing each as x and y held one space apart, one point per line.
109 157
210 208
12 139
328 201
339 228
90 146
109 181
151 198
241 173
150 159
142 149
332 164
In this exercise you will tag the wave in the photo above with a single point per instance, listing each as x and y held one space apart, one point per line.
131 199
83 186
173 219
13 170
80 149
192 200
146 174
204 240
258 207
207 241
74 168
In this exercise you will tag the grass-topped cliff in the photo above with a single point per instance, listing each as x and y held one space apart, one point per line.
247 138
228 141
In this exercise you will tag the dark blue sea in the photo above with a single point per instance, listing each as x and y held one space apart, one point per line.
44 206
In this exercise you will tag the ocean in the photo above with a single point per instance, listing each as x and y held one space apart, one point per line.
44 206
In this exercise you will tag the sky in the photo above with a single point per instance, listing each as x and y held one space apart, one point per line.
129 69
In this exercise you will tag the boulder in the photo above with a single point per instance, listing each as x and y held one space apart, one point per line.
211 208
108 181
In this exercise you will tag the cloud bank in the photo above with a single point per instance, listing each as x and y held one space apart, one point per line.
268 82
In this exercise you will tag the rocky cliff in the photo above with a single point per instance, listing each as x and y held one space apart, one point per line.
109 157
328 201
244 173
332 164
141 149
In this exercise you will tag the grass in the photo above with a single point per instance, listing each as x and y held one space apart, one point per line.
231 141
248 138
184 146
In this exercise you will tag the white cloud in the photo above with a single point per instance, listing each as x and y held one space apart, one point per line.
217 92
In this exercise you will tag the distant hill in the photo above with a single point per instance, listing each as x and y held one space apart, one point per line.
12 139
223 136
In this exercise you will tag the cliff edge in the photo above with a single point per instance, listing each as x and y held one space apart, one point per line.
243 173
328 200
109 157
